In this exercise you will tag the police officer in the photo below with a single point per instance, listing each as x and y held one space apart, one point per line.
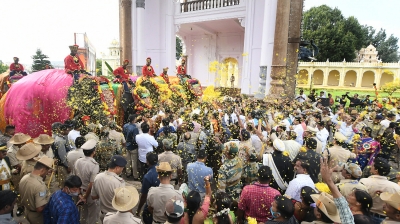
125 199
17 141
87 168
33 191
26 154
106 182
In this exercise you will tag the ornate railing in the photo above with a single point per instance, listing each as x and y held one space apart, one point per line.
197 5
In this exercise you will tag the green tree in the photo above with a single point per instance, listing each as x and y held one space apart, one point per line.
40 61
337 37
99 67
387 47
3 67
178 52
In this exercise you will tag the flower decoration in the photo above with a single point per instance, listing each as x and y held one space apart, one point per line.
251 220
356 138
323 187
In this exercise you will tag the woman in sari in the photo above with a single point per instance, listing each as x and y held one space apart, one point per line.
366 149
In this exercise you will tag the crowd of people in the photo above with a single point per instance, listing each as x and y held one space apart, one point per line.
234 160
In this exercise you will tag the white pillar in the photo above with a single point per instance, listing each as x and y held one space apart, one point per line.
247 22
141 48
267 45
134 62
170 36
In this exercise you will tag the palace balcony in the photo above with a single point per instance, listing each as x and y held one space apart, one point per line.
187 11
198 5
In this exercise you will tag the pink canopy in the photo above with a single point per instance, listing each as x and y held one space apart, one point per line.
38 100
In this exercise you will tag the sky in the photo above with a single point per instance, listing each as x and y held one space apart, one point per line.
50 24
376 13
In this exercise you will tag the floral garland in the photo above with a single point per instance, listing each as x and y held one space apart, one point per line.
107 110
139 98
224 211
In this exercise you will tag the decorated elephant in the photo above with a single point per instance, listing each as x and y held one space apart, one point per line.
38 100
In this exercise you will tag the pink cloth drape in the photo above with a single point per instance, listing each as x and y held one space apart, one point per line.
38 100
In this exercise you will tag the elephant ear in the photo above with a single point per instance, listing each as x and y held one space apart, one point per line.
109 67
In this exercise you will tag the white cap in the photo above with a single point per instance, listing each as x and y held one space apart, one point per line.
89 144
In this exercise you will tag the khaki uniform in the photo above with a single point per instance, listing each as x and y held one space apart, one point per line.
54 185
87 169
104 185
34 194
12 155
158 197
73 156
121 218
92 135
174 160
118 137
27 167
346 186
376 184
377 129
132 163
338 157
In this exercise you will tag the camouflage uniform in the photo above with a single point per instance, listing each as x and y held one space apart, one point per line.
250 173
105 150
229 177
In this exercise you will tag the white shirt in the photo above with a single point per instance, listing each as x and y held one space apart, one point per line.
299 132
233 118
385 123
72 135
138 127
242 118
301 100
294 188
322 136
256 142
145 143
287 124
73 156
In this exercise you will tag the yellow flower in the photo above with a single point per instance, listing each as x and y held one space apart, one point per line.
285 153
303 149
323 187
356 138
251 220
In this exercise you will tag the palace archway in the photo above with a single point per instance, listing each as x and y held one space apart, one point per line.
318 77
368 79
333 78
350 79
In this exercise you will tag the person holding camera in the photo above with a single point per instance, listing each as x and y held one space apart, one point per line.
301 97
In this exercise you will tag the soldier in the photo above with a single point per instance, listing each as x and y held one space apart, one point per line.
26 154
61 148
5 169
17 141
158 196
230 173
87 168
33 191
106 182
46 141
125 199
